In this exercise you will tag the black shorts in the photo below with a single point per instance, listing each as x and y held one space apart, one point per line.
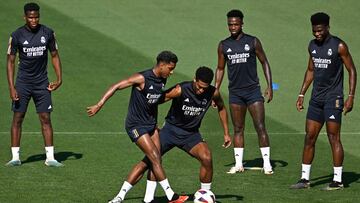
246 97
328 110
136 132
172 136
40 94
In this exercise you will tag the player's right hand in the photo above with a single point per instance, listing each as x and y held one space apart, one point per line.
213 103
299 104
92 110
14 95
227 141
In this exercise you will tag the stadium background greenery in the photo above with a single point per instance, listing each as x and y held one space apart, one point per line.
102 42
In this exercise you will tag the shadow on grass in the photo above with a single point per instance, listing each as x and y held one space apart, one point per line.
348 178
60 156
220 198
258 162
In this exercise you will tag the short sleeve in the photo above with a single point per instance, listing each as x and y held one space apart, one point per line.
52 42
13 45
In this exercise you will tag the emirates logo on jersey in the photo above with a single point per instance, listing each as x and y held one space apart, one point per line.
192 110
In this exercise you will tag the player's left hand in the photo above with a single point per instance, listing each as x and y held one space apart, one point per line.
54 85
213 103
348 105
268 94
227 141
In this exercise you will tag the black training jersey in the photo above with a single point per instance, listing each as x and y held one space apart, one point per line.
143 105
328 69
188 110
32 47
240 57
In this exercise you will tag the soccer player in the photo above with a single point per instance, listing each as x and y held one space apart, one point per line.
327 54
190 101
239 52
141 121
32 42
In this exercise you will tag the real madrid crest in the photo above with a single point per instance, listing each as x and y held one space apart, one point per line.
247 47
329 52
42 39
204 102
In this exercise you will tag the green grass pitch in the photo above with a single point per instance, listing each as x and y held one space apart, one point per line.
102 42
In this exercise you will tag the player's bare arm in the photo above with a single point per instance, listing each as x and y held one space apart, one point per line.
260 53
55 59
136 79
308 78
220 70
219 102
350 67
10 76
172 93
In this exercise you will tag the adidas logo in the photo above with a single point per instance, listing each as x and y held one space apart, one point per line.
265 155
151 87
303 172
332 117
187 100
26 42
314 51
168 187
229 50
124 190
50 107
237 155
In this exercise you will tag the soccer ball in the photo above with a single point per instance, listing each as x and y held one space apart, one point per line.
204 196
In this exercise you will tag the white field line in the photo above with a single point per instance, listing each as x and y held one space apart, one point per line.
204 133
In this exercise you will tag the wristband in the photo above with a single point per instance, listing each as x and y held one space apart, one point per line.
301 95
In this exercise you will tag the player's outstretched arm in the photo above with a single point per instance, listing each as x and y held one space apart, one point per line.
260 53
308 78
137 80
55 59
350 67
172 93
219 102
10 76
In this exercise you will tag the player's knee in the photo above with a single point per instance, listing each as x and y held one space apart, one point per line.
239 130
310 140
45 120
155 157
334 138
18 119
260 127
17 122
